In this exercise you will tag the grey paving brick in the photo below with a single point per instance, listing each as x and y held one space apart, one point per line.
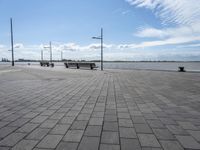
67 146
28 127
195 134
38 134
127 132
111 118
171 145
142 128
6 131
177 130
3 123
148 140
12 139
188 142
137 119
155 124
60 129
25 145
125 123
79 125
50 141
93 131
96 121
48 123
89 143
85 117
73 135
187 125
163 134
110 126
39 119
19 122
110 137
109 147
67 120
130 144
4 148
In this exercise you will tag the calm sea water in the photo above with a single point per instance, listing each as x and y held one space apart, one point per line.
189 66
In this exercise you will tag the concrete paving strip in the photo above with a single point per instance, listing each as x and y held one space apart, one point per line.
7 71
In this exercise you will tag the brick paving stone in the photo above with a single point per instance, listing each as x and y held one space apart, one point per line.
155 124
38 134
57 116
137 119
60 129
151 148
6 131
110 126
123 115
187 125
25 145
177 130
85 117
111 118
3 123
110 137
28 127
12 139
48 123
47 112
109 147
171 145
163 134
142 128
127 132
130 144
125 123
73 135
148 140
39 119
93 131
67 120
89 143
96 121
195 134
4 148
50 141
188 142
79 125
67 146
18 122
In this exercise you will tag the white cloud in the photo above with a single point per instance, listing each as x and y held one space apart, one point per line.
172 11
184 13
18 45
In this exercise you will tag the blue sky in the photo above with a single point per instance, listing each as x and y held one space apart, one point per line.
133 29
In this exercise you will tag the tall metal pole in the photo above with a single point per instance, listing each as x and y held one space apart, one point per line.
50 51
12 47
61 55
41 55
101 48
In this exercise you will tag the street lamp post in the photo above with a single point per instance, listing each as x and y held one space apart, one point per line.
12 47
41 55
61 55
100 38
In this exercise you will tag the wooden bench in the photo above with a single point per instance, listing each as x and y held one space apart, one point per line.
181 69
80 65
46 63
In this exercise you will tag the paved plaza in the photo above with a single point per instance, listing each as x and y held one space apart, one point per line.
70 109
